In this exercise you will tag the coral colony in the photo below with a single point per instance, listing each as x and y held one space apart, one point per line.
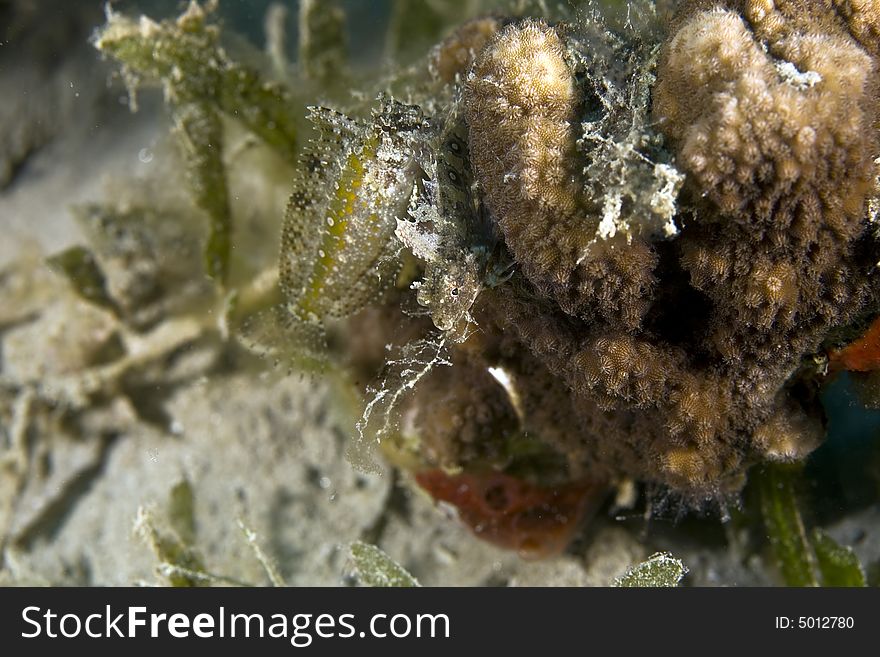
581 254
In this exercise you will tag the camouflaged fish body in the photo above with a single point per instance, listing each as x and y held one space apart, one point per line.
445 230
338 250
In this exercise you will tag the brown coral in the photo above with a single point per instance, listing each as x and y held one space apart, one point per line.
779 134
521 104
454 56
679 356
468 419
635 405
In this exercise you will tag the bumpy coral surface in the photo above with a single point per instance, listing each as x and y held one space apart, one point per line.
636 247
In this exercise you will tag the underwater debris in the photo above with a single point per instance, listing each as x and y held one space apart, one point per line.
372 567
179 563
323 48
837 563
813 559
78 265
202 84
785 527
659 570
148 255
172 540
400 374
185 56
417 24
